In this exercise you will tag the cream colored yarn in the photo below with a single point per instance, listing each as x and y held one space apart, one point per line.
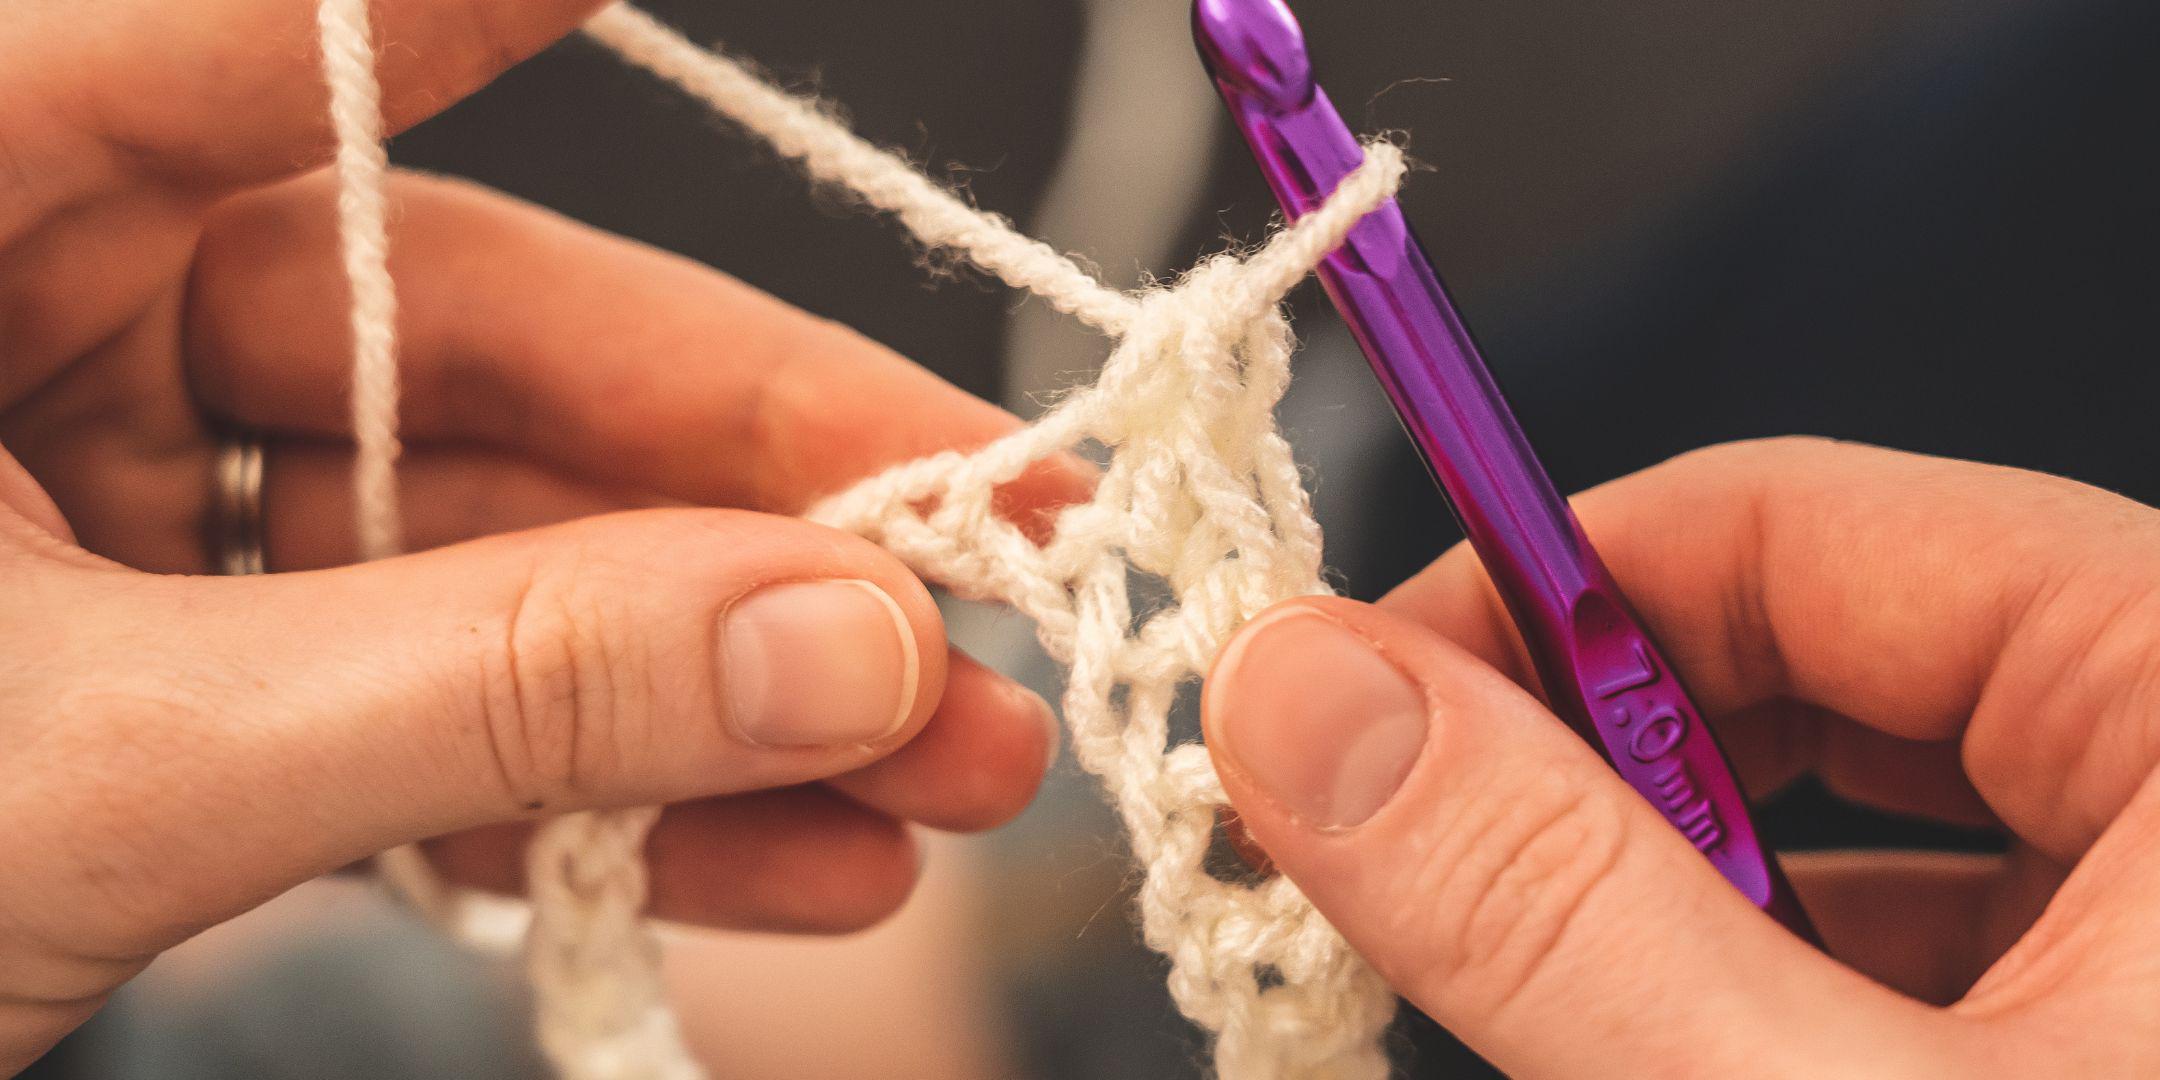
1200 494
356 118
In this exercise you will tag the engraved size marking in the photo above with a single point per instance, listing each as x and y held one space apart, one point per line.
1691 813
1660 732
1651 736
1644 674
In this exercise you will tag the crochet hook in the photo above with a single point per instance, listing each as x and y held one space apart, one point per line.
1600 669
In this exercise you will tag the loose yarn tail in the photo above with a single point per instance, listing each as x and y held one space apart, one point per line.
594 966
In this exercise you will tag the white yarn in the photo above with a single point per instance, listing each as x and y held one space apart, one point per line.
1200 492
362 167
594 967
348 50
601 1011
832 153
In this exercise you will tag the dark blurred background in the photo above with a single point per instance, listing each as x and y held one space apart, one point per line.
1926 224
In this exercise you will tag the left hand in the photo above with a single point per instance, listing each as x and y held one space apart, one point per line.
174 750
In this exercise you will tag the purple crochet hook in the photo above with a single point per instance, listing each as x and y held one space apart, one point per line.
1600 670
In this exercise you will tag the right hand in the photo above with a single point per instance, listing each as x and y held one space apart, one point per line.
1969 643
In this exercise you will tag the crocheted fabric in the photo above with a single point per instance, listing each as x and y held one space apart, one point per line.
1200 497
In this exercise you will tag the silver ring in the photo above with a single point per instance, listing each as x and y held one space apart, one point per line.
235 534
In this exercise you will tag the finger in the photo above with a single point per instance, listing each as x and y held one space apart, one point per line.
449 495
1506 881
1919 922
800 859
231 92
286 725
607 359
1771 739
1777 741
1901 776
975 765
1930 600
2088 963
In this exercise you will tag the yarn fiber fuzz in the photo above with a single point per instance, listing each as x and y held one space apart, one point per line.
1200 494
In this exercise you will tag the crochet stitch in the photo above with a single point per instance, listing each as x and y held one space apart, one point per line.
1200 493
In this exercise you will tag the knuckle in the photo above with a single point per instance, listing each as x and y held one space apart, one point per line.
562 695
1499 901
1757 451
1793 444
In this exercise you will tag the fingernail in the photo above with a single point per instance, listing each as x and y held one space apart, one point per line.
1317 718
817 663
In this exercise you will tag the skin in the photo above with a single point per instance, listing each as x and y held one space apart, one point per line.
603 442
1970 643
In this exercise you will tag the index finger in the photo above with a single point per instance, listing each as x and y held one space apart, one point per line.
609 360
1925 598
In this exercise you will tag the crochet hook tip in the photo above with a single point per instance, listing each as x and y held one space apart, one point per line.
1257 48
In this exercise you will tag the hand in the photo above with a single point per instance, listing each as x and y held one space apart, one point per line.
174 749
1970 643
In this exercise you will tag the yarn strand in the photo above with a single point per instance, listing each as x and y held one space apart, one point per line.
798 129
595 968
348 56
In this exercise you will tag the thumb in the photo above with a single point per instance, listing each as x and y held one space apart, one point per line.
1506 882
636 658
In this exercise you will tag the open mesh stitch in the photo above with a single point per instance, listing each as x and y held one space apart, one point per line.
1200 492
